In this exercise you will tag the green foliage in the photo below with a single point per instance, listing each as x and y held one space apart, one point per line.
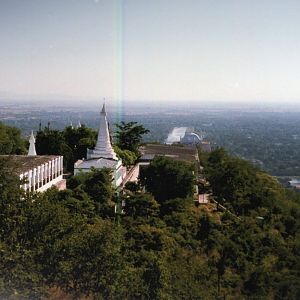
128 157
79 139
166 249
141 205
11 141
239 185
129 136
167 179
51 142
97 185
132 186
97 274
72 143
19 274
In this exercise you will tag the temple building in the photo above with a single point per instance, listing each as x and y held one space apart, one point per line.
38 172
103 156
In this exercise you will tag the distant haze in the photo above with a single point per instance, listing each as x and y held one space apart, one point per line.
153 51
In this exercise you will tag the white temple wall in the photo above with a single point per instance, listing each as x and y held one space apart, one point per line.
48 185
44 176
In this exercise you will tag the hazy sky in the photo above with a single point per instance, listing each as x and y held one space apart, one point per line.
234 50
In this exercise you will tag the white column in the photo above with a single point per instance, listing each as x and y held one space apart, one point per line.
47 172
56 167
52 168
29 177
34 178
42 174
27 184
38 176
59 166
23 185
62 164
49 169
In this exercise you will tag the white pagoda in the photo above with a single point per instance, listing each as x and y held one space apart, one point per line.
103 156
31 150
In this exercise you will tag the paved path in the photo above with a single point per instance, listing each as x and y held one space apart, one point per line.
132 175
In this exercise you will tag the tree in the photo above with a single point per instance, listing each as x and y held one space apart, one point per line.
10 196
79 139
129 136
167 179
76 200
93 264
239 185
72 143
11 141
19 273
97 184
132 186
128 157
52 142
141 205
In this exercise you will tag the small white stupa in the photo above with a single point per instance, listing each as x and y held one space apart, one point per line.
31 151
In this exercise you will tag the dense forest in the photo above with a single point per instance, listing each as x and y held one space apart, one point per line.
158 245
152 241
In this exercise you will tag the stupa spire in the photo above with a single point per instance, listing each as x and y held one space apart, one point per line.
103 146
103 109
32 151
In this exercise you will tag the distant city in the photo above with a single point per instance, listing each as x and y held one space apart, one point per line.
268 136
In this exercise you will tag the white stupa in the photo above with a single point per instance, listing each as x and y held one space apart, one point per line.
103 155
31 151
103 148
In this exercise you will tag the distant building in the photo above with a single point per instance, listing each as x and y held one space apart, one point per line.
184 153
187 136
191 138
103 156
176 135
295 183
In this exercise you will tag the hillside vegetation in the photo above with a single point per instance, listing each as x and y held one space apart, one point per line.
160 245
159 248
